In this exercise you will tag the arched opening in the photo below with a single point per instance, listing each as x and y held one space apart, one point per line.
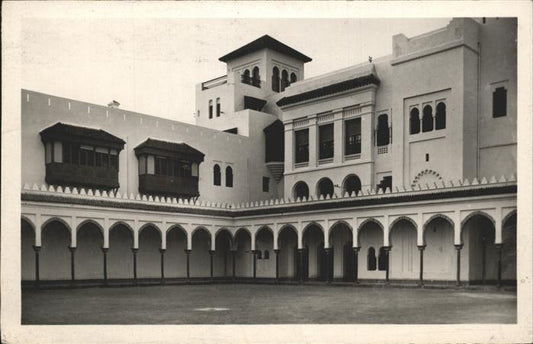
149 257
216 175
293 78
383 133
275 79
439 254
370 237
284 80
119 256
325 188
478 238
341 243
27 254
352 184
89 259
222 264
175 256
414 121
218 107
301 190
229 177
256 79
243 254
314 258
403 257
440 117
288 245
427 119
264 241
55 254
210 108
200 260
509 250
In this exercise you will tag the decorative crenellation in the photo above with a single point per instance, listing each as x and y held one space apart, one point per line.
435 187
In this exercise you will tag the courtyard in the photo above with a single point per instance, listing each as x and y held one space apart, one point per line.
267 304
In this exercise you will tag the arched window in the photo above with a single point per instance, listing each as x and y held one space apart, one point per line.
440 117
216 175
218 107
229 177
427 119
293 78
414 121
266 255
371 259
275 79
256 80
382 259
352 184
210 108
284 80
245 77
383 135
301 190
325 188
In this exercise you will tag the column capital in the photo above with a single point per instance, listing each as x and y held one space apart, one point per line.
72 249
277 251
301 250
134 250
187 251
458 247
328 250
212 252
421 247
105 249
499 246
356 249
387 248
36 248
162 250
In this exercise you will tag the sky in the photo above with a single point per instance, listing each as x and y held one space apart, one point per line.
151 65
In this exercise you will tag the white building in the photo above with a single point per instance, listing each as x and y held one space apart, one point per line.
402 168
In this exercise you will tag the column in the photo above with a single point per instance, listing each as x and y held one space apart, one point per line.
421 276
104 251
211 254
162 251
338 137
313 144
276 252
188 252
458 248
499 249
356 264
36 249
367 137
387 250
134 250
72 271
289 147
328 264
300 265
233 252
254 253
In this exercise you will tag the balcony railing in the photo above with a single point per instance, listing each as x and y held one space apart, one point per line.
101 177
155 184
245 79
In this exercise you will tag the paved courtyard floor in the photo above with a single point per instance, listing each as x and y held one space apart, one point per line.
266 304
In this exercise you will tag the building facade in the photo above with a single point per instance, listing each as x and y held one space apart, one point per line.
399 168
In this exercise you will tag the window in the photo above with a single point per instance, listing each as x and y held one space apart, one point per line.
383 260
210 109
266 182
113 159
301 190
383 134
325 188
414 121
293 78
440 117
48 152
229 177
67 152
218 107
275 79
142 164
302 146
352 143
256 79
284 80
246 77
427 119
216 175
161 165
371 259
266 255
86 155
325 133
499 102
352 184
101 156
